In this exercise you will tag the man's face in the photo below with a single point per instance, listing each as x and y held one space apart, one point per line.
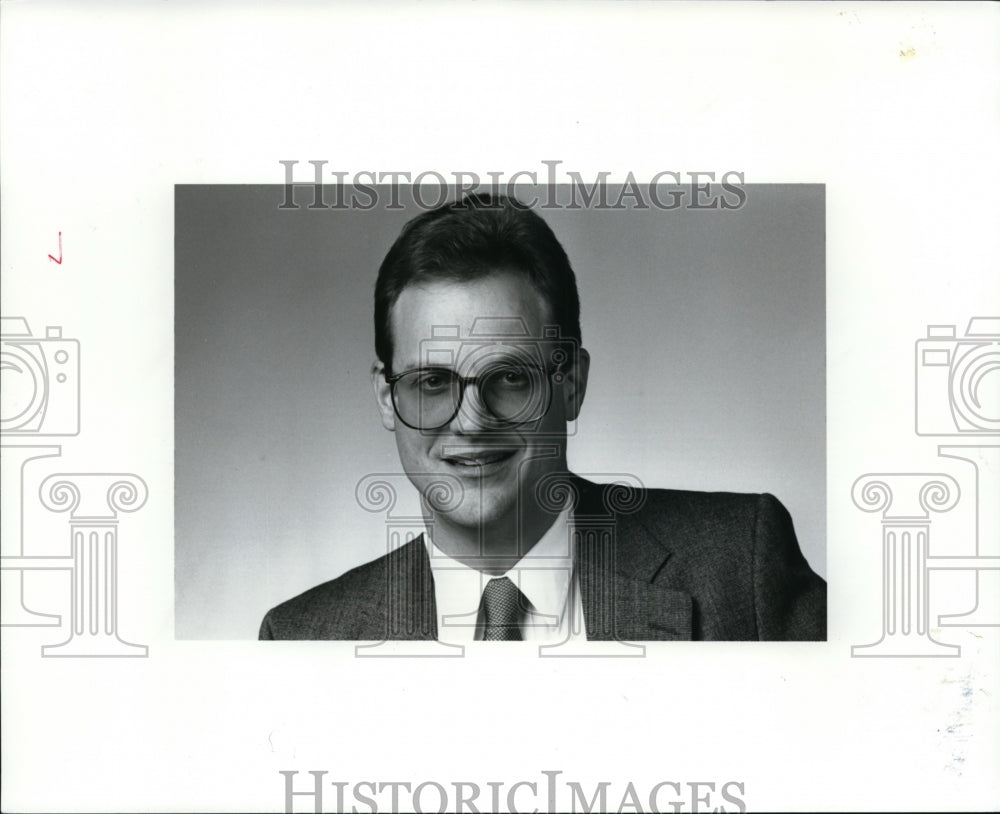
493 462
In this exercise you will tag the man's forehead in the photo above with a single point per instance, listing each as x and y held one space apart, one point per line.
499 328
491 339
501 309
450 347
512 331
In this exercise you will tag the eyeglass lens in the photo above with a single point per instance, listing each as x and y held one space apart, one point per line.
512 394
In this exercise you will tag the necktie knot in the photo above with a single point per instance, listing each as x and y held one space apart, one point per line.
502 608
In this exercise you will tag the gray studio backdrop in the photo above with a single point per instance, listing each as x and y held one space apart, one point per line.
706 330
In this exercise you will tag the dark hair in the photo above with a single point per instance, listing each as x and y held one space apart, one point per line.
468 240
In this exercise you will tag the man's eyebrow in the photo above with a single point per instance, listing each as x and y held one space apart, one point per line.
419 366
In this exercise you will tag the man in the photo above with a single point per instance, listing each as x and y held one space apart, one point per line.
480 368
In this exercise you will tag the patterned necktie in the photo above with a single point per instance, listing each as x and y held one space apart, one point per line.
502 611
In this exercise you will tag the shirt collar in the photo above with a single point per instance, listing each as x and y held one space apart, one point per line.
544 574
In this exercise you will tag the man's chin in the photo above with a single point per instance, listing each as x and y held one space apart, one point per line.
481 510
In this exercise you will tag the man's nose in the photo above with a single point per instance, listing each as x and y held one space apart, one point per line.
473 415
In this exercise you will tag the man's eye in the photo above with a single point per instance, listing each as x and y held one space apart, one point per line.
433 382
513 379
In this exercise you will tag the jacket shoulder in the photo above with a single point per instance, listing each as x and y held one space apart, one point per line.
340 608
698 508
702 521
739 557
702 536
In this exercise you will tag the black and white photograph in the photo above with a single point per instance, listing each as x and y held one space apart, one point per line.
691 402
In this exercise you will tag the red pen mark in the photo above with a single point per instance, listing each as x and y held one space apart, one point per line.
59 259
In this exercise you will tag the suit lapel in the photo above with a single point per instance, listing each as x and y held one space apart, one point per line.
409 609
618 560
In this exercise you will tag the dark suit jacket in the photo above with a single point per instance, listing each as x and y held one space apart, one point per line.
653 565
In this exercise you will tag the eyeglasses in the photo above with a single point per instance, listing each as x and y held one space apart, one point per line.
508 395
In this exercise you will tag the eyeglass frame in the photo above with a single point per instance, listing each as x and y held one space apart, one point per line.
464 382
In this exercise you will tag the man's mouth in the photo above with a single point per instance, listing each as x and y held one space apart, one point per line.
479 460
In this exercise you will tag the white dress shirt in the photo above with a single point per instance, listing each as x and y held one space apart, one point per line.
545 575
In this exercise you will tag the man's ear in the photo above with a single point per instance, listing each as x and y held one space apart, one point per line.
575 384
383 396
